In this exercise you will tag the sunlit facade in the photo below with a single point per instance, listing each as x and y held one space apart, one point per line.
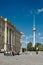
10 37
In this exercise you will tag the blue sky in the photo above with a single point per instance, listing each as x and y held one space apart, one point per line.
20 13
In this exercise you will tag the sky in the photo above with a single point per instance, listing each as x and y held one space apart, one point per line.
20 13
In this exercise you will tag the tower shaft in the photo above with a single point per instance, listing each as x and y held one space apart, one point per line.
34 30
33 38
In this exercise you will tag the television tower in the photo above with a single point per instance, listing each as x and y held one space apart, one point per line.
34 30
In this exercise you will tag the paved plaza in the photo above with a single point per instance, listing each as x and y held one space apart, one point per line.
31 58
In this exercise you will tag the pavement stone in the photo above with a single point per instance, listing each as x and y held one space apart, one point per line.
29 58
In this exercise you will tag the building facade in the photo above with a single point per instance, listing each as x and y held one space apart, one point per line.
10 37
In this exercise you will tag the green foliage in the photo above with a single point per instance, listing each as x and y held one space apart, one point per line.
37 44
31 48
40 46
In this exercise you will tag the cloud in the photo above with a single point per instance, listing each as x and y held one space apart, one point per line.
24 41
30 12
41 37
30 36
23 35
36 11
40 10
27 42
39 34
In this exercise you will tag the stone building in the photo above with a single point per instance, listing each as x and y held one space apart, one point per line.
10 37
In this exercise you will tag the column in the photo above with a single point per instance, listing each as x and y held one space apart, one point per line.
8 35
5 45
14 39
11 40
21 44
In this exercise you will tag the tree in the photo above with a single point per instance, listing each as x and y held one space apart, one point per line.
37 44
40 46
29 46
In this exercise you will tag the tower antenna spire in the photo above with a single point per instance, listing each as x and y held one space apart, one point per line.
33 21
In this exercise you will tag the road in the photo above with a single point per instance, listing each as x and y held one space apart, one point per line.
31 58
